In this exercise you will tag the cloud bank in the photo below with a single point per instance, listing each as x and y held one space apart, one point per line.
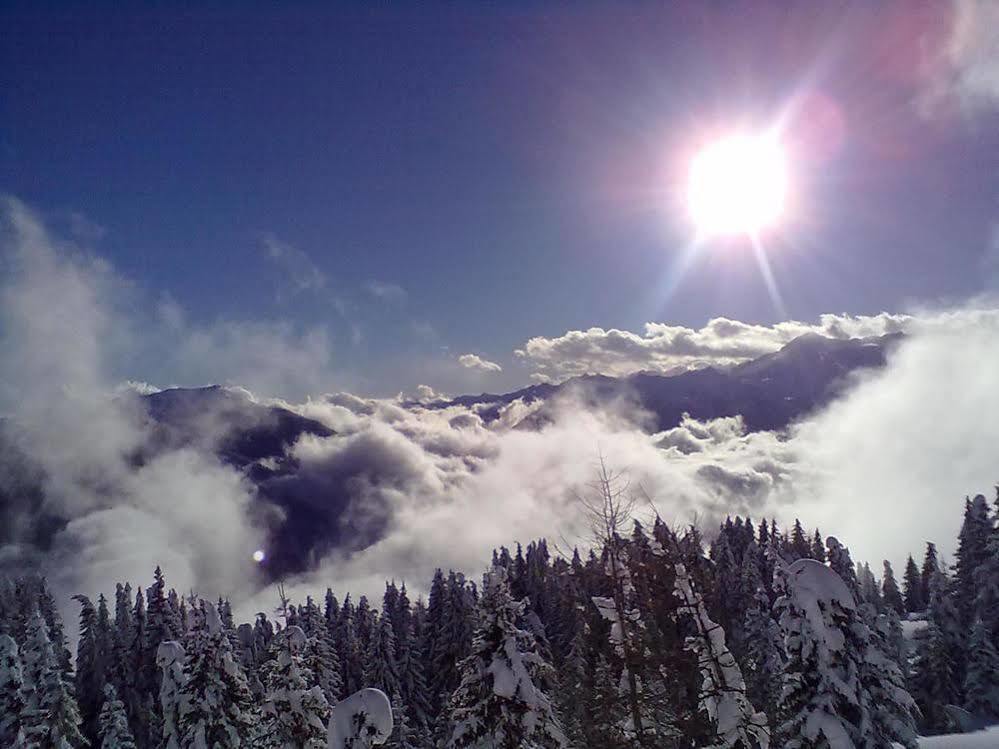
671 348
60 328
886 467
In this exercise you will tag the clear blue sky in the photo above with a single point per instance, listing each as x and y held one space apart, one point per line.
512 166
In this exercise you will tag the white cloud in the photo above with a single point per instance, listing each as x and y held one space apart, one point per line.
965 69
886 467
60 332
669 348
474 361
300 273
276 358
390 293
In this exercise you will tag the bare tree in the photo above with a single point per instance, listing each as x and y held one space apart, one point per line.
609 505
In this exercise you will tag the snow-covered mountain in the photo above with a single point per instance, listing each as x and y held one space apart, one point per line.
769 392
313 501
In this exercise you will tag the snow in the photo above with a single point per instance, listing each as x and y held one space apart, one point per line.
361 721
811 586
723 689
912 627
987 739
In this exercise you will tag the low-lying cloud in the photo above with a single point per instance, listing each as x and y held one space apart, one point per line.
400 488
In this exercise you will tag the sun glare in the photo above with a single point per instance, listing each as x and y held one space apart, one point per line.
737 185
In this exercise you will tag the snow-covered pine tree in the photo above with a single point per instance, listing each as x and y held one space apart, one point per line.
412 681
322 664
502 700
799 546
827 698
122 672
870 591
90 674
891 708
380 668
114 732
841 563
931 565
889 590
11 698
216 707
943 613
348 648
170 658
50 717
932 682
972 550
404 734
912 585
736 722
294 715
981 684
764 654
818 548
987 587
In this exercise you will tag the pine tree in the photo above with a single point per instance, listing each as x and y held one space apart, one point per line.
11 699
114 731
51 717
412 681
722 696
889 590
912 584
944 615
818 549
972 550
294 715
933 679
987 586
799 547
170 658
502 700
90 673
981 684
764 654
841 563
381 671
833 694
931 566
216 707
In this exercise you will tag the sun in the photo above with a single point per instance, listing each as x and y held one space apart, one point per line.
737 185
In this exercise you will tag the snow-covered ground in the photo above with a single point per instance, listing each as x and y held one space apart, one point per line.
987 739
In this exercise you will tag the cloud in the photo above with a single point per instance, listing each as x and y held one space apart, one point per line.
300 273
273 357
670 348
964 71
390 293
892 462
474 361
61 325
399 490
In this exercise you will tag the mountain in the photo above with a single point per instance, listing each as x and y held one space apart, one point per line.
314 501
240 431
770 392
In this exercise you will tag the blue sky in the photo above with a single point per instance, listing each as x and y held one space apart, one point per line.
425 181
